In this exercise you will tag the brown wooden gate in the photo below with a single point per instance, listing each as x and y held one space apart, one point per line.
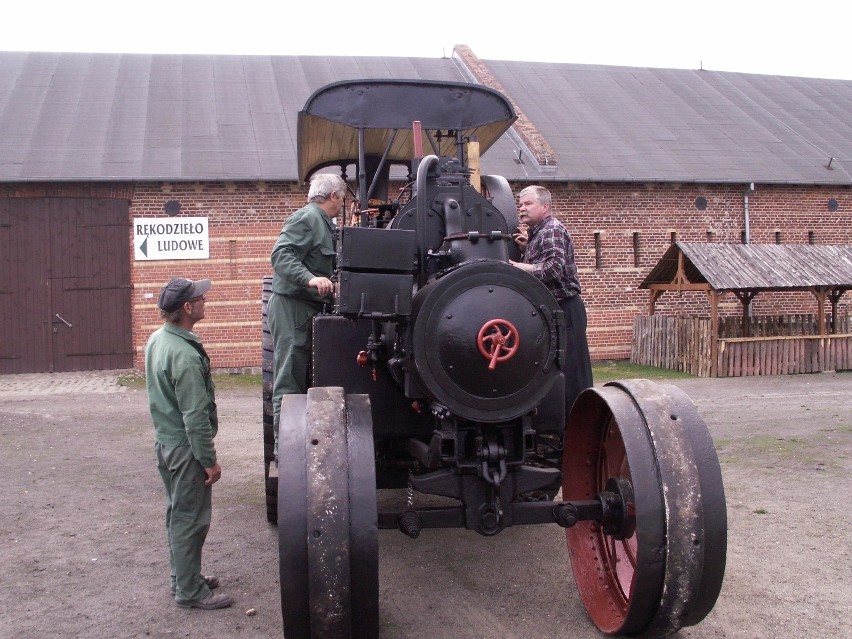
64 285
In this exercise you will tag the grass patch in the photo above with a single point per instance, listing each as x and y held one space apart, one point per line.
608 371
784 446
230 381
602 372
223 381
132 380
814 451
760 511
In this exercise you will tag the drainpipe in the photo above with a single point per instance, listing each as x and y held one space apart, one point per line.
748 190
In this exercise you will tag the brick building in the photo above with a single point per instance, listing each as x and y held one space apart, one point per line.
634 157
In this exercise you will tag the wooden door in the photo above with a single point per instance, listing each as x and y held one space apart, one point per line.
24 294
71 272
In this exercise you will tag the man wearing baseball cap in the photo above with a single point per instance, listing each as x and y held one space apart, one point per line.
183 409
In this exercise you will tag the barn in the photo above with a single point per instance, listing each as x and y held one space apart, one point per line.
119 171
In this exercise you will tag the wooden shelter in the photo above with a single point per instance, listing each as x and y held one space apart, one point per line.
747 270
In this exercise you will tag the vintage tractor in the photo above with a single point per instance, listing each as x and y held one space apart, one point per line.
439 371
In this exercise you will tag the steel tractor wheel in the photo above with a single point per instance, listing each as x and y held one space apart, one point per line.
270 482
655 561
327 520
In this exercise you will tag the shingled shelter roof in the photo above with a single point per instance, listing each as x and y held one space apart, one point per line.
753 267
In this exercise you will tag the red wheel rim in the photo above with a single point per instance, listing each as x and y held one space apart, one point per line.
619 554
619 581
650 439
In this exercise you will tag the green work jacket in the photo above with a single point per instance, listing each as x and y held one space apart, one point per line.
305 249
180 392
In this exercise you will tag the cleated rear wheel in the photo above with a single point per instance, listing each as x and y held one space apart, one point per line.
327 518
270 477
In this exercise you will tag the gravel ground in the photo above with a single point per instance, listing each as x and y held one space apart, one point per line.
82 543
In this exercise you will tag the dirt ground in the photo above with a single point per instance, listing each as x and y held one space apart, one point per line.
83 549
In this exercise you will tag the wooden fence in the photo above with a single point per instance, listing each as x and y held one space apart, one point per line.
677 343
740 357
684 344
778 325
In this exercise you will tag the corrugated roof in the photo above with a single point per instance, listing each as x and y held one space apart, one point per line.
728 267
639 124
75 116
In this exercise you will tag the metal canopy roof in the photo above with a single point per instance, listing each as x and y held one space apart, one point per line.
755 267
385 110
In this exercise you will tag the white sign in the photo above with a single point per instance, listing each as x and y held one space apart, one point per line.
179 238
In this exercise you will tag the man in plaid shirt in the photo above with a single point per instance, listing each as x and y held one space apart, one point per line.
548 253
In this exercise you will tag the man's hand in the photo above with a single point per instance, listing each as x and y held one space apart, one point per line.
323 285
214 473
523 266
521 240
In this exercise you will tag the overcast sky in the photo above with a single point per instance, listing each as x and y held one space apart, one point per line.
751 36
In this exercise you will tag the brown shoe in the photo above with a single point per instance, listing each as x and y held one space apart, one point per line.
211 581
210 602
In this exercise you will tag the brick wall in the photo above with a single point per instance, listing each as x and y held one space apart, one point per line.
657 212
245 218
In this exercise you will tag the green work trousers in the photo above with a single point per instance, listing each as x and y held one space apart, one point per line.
188 509
290 321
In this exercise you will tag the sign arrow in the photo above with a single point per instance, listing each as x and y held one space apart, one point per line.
144 246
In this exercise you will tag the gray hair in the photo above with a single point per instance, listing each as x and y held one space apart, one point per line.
172 316
323 185
538 192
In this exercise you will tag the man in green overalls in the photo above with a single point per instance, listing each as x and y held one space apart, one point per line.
183 409
303 259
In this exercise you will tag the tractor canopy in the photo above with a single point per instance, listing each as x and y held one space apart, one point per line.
383 111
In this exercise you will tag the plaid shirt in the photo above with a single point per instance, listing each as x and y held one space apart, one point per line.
550 250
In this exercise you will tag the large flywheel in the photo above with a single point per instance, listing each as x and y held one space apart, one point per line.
655 562
327 521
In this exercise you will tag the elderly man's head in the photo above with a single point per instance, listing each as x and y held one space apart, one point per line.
328 190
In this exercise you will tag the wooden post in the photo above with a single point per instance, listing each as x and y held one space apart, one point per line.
714 332
680 276
745 298
834 296
820 294
473 163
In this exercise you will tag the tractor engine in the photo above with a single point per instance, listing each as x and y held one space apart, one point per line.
463 334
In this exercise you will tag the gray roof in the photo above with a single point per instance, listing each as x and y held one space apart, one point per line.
74 116
730 267
638 124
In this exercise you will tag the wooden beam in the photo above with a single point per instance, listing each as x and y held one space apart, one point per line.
652 302
703 286
781 338
745 297
680 276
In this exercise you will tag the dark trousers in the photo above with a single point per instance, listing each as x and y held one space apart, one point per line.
578 367
290 321
188 510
